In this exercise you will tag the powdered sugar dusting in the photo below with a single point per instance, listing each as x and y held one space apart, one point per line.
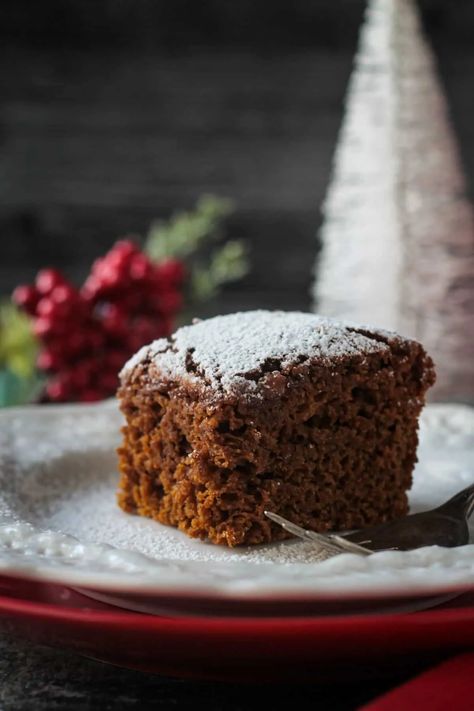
135 360
223 349
156 347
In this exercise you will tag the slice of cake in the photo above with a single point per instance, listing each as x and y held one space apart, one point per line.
290 412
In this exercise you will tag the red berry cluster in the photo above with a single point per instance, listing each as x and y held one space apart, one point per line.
87 335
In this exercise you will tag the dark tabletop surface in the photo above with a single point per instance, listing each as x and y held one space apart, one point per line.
39 678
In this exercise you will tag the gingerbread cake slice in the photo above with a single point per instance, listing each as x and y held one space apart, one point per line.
270 410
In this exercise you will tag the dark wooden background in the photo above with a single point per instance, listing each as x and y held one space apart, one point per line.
114 113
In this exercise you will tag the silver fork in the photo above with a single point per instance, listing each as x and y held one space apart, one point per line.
446 525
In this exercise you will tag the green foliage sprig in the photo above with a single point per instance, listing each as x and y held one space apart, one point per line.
18 345
188 232
228 263
19 380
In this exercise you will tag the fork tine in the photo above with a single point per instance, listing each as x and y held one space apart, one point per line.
303 533
350 546
333 544
287 525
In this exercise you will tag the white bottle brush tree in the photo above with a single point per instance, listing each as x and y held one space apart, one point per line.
398 232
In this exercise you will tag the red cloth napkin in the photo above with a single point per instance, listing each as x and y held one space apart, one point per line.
449 686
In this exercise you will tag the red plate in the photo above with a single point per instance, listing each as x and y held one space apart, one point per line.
244 649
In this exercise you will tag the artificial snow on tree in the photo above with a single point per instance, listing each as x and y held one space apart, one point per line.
398 231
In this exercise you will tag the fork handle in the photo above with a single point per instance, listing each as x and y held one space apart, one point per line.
460 502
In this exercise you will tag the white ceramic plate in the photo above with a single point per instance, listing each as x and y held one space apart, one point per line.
59 522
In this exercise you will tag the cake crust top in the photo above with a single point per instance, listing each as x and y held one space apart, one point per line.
225 352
